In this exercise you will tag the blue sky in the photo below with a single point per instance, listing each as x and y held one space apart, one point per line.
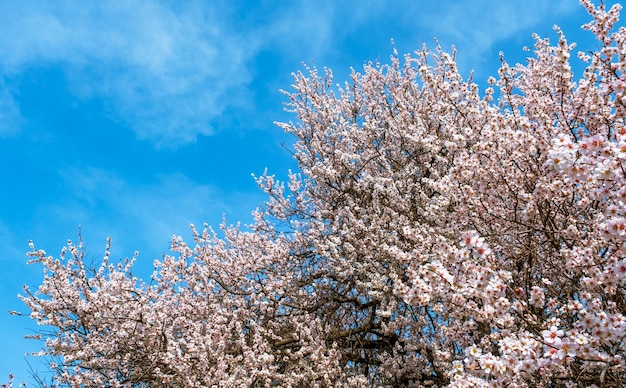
135 118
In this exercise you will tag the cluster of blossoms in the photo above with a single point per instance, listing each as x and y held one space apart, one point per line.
471 240
435 236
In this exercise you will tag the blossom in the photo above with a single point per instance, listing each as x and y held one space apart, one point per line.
552 336
470 239
619 269
537 297
616 227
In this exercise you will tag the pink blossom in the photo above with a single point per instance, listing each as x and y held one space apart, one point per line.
552 336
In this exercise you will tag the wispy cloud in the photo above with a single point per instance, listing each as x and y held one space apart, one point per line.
142 216
170 70
165 71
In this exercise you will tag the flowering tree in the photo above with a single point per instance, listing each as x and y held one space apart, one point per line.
435 235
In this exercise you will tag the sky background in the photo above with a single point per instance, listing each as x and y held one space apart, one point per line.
134 119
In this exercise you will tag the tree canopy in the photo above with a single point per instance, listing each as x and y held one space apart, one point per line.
434 235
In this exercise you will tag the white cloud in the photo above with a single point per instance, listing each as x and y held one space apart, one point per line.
168 70
164 71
